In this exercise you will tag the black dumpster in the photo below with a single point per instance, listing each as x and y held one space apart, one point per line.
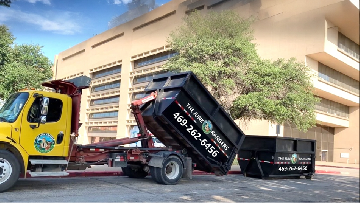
186 117
269 156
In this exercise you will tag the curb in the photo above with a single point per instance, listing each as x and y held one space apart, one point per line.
118 173
328 172
338 167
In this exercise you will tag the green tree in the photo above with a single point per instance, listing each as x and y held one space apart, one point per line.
6 40
5 3
218 48
24 66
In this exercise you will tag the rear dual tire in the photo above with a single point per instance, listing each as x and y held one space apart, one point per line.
170 173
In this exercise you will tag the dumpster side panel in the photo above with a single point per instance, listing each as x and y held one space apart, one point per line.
287 145
186 116
253 142
213 109
278 156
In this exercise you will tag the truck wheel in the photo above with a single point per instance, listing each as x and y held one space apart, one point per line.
170 173
134 173
124 170
9 170
308 177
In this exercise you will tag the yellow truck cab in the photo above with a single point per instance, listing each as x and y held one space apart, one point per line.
35 128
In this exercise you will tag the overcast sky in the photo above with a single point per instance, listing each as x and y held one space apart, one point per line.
60 24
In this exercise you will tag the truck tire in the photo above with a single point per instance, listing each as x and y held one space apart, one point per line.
134 173
170 173
9 170
309 177
124 170
153 174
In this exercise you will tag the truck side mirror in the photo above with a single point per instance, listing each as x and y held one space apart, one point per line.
42 119
44 106
43 112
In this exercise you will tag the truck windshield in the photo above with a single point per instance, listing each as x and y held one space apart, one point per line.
13 106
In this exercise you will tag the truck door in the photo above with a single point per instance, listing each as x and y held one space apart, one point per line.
45 139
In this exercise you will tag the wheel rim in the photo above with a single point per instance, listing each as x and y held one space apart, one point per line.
172 170
5 170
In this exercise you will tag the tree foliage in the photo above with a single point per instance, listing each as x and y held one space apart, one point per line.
6 40
24 66
218 48
5 3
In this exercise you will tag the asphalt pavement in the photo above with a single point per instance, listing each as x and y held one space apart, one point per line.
202 188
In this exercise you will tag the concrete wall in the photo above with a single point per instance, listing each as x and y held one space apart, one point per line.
346 140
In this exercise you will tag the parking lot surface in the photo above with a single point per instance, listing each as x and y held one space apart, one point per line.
202 188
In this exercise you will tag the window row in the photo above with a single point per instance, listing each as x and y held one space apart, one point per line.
102 129
101 139
111 114
105 101
147 78
154 59
106 72
107 86
348 46
333 108
138 95
338 78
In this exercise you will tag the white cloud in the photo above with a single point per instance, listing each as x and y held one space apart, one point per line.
117 2
43 1
61 23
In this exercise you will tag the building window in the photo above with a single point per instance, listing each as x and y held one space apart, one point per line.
328 74
102 129
154 59
107 86
333 108
110 114
106 72
105 101
348 46
101 139
147 78
138 95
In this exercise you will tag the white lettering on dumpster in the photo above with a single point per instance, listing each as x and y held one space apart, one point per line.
195 114
304 159
293 168
213 133
196 135
190 107
219 140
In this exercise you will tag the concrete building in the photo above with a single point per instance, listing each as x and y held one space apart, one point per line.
323 34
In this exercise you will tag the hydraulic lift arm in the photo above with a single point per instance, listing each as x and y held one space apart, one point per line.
144 134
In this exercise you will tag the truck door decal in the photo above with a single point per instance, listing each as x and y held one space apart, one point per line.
44 143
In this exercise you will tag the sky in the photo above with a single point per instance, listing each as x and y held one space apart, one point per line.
57 25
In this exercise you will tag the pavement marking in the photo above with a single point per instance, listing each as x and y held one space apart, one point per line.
222 199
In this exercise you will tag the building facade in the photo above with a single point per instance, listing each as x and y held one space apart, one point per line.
322 34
